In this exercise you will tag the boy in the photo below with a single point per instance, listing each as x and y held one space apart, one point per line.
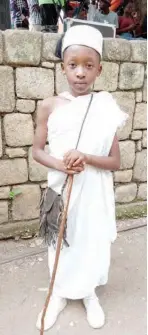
91 227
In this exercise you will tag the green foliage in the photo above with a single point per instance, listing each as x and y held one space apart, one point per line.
13 194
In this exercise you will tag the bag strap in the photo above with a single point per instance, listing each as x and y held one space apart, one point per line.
85 116
79 137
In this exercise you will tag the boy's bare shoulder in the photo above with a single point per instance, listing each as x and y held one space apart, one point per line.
49 104
46 107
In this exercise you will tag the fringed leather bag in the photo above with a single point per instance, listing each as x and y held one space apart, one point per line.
52 205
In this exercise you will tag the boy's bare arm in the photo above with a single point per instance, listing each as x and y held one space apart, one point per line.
112 162
40 139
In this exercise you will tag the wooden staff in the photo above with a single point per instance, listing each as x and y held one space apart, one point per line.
59 243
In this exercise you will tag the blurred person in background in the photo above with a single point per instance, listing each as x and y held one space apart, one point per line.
35 17
141 28
144 27
20 13
91 10
130 23
104 15
50 12
11 15
127 24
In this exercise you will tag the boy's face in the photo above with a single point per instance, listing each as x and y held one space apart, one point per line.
81 66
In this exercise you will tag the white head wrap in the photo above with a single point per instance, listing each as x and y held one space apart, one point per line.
84 35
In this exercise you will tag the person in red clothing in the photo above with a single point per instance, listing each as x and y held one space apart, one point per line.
127 24
141 28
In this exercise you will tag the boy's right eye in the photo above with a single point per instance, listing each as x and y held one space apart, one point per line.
72 65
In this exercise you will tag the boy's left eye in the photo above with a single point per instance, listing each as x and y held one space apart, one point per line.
89 66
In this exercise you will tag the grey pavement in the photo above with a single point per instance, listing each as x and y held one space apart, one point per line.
23 287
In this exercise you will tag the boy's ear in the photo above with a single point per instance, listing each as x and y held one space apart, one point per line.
99 70
62 67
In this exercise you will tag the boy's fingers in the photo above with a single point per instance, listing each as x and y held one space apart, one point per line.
67 154
78 168
66 162
71 172
70 163
78 162
74 170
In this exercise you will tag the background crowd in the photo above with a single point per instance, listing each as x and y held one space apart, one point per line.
46 15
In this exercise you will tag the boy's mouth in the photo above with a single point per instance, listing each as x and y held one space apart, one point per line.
80 83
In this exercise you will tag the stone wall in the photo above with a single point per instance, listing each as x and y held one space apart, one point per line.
29 72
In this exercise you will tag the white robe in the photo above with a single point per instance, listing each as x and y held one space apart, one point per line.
91 225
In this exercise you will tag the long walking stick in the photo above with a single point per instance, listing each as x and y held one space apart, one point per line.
59 243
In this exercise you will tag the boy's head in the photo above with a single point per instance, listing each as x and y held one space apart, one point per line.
82 51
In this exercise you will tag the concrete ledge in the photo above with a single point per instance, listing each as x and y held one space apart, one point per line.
28 229
131 211
21 229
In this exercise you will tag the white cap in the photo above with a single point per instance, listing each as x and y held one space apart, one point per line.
84 35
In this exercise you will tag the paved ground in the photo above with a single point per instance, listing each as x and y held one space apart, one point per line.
23 286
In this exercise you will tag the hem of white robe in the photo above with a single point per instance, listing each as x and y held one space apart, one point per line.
68 295
103 280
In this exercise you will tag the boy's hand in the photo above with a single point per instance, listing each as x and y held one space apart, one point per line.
74 170
74 158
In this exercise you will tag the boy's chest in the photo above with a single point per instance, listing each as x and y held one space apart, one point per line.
64 129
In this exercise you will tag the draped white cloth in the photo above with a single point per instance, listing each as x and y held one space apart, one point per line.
91 218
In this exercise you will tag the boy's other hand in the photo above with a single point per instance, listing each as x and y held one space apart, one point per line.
74 158
74 170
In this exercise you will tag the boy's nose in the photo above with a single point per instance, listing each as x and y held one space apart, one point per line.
80 72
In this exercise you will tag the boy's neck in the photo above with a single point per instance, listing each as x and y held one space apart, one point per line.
76 95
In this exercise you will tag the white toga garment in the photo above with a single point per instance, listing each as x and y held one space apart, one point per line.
91 225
